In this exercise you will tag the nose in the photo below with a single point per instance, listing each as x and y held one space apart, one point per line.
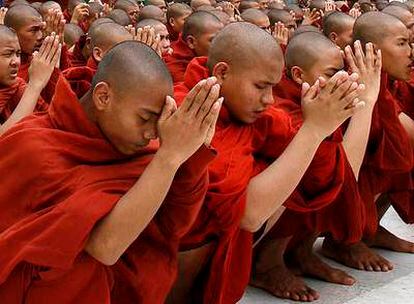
15 61
267 98
151 133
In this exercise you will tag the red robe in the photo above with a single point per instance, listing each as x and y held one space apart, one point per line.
238 145
76 57
388 162
327 198
180 58
63 178
80 78
173 34
10 98
403 91
49 90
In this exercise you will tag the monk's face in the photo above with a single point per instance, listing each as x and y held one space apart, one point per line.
408 19
177 23
247 91
133 12
165 38
9 59
161 4
263 4
344 38
325 66
201 44
30 34
396 53
129 120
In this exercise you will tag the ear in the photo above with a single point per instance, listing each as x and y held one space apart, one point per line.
101 96
297 74
97 54
221 71
171 21
191 41
333 37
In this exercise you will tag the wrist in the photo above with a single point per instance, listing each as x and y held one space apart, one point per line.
168 159
35 86
313 132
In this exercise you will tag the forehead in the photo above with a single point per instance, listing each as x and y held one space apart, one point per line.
32 21
160 29
212 27
9 41
397 30
331 58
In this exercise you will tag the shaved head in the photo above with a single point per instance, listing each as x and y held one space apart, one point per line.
152 12
276 5
368 29
402 13
6 32
279 15
206 8
337 22
19 2
237 44
317 4
246 4
305 29
223 17
18 15
198 23
303 54
46 6
120 17
256 17
176 10
124 4
149 22
73 3
160 3
195 4
72 34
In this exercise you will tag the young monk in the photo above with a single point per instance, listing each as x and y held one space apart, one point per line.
256 17
18 99
152 12
383 173
329 187
72 34
404 15
98 201
252 175
278 15
195 4
338 26
120 16
130 7
177 13
70 9
102 38
247 4
159 3
161 30
199 29
49 6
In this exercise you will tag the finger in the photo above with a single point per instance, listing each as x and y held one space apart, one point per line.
352 110
56 56
144 35
378 60
369 55
53 49
359 55
349 56
151 36
168 109
138 36
336 79
43 46
200 98
205 107
209 122
189 99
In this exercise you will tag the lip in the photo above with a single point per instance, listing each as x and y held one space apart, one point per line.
13 74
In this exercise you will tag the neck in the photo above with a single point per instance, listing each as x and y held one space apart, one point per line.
87 105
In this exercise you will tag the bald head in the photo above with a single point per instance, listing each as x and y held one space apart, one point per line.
222 16
124 4
305 55
246 4
276 5
256 17
199 23
279 15
241 44
400 12
73 3
18 16
317 4
138 61
337 22
72 34
6 32
159 3
152 12
106 35
305 29
195 4
368 29
177 10
120 17
49 5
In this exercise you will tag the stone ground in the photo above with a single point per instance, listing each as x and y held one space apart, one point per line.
395 287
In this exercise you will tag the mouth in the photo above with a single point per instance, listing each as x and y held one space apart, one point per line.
13 73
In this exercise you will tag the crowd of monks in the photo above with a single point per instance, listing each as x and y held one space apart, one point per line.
176 153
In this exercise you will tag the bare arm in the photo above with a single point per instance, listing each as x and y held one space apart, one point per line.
408 125
182 132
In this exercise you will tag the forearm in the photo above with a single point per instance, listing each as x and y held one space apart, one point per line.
267 191
356 139
131 215
408 125
25 106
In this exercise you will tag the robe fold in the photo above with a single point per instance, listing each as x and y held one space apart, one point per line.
63 179
388 162
10 98
327 198
403 92
76 57
180 58
238 145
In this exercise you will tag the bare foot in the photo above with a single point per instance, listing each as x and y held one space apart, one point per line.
358 256
311 265
280 282
387 240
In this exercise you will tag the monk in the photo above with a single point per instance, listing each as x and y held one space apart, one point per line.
338 26
152 12
159 3
105 162
18 99
224 18
257 146
161 30
120 16
72 34
404 15
195 4
102 38
199 29
47 6
130 7
256 17
329 187
278 15
30 29
70 9
246 4
385 177
177 13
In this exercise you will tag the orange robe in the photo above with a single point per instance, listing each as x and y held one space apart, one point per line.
63 178
180 58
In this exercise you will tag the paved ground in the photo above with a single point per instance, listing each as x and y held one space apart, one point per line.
395 287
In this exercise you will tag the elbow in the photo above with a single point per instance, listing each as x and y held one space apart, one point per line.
102 253
251 223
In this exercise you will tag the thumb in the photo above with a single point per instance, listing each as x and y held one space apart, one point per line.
169 108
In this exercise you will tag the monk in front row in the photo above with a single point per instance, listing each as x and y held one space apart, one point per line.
93 187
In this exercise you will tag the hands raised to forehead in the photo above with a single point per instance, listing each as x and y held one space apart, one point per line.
368 66
55 23
45 60
80 13
311 17
147 36
182 131
328 104
281 33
